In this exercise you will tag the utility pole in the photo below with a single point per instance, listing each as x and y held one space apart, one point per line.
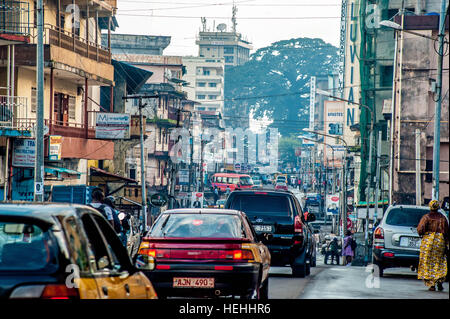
377 182
202 145
39 136
143 182
437 109
418 175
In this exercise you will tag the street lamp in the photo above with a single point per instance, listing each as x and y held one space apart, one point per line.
372 121
344 186
334 171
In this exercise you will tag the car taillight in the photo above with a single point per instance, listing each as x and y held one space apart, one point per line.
156 253
378 238
298 226
388 254
379 233
59 292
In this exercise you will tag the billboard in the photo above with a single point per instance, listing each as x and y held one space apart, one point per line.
24 153
112 126
332 202
54 149
334 119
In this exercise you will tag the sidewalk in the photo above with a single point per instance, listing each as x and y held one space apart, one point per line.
355 282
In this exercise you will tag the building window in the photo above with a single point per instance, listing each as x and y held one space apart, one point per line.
33 100
211 109
201 96
132 173
228 50
201 84
212 85
206 72
229 59
72 107
212 97
386 75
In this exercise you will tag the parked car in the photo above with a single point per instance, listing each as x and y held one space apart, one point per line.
278 219
281 186
207 252
43 246
395 240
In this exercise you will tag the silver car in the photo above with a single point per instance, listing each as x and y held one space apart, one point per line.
396 242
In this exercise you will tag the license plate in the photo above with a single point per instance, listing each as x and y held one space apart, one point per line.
263 228
411 242
184 282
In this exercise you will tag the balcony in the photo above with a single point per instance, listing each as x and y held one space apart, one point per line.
14 22
12 111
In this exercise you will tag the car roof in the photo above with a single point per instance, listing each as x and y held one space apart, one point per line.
46 212
272 191
203 211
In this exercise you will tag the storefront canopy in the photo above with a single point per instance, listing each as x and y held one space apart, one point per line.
58 171
134 77
102 176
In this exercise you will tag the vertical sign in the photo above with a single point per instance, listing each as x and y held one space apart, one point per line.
312 102
54 149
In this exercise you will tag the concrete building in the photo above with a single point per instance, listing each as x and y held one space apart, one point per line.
413 108
206 82
76 65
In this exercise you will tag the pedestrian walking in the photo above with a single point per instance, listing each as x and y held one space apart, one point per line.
348 250
227 191
299 182
433 228
333 251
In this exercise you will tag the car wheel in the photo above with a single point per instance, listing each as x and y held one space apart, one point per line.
308 268
299 270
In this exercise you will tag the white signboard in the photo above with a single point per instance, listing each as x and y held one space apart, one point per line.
183 177
334 120
24 153
332 203
197 200
112 126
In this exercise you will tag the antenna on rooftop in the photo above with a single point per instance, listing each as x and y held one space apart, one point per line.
233 19
204 23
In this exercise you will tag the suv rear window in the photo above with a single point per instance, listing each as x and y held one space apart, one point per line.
409 217
199 225
262 204
24 247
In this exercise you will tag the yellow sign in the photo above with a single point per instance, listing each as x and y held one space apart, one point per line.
54 149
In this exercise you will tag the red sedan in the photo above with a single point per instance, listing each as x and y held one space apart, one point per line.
206 252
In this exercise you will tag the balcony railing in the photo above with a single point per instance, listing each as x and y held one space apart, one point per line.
12 110
70 41
14 17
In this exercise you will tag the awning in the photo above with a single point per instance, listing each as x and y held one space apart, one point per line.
103 23
57 171
380 202
99 175
134 77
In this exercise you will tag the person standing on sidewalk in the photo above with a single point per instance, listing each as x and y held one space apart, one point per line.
433 228
348 251
333 248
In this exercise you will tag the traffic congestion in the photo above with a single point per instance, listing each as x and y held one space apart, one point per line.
238 247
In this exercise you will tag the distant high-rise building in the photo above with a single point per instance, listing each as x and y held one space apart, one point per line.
220 43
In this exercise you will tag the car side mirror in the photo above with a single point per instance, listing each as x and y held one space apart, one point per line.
311 217
144 262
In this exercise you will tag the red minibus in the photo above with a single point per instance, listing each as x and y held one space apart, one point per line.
232 180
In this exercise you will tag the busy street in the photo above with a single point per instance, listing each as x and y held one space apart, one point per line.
214 152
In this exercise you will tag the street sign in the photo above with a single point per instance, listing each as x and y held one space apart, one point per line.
158 200
332 202
197 200
39 188
183 177
237 166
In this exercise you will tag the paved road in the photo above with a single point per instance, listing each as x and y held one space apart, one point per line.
340 282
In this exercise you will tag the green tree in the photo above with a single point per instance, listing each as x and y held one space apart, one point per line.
275 82
286 150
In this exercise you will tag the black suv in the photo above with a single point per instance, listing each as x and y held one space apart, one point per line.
278 220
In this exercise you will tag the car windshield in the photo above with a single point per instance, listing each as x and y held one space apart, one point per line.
409 217
245 180
24 247
262 204
198 225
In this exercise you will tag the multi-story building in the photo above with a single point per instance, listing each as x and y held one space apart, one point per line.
413 110
76 65
163 113
206 82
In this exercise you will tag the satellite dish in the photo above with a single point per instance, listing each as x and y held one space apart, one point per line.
222 27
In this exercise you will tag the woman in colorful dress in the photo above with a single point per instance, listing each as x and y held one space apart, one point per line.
433 228
347 249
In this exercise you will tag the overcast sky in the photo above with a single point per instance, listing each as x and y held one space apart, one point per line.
262 22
